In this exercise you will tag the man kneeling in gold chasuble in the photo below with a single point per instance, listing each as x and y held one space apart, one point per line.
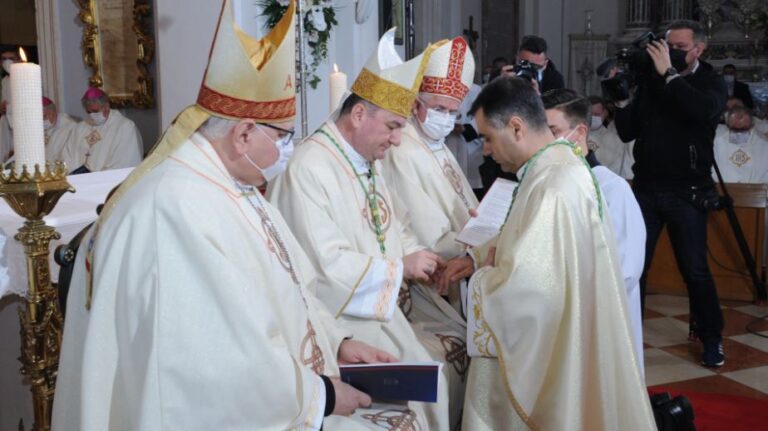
338 204
192 305
548 329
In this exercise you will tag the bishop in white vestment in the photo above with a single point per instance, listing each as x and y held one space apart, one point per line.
191 305
106 140
433 194
549 330
58 129
339 206
741 149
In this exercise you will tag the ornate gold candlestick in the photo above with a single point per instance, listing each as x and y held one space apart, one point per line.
33 196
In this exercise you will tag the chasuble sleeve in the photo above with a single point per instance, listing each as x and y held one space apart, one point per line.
206 302
351 282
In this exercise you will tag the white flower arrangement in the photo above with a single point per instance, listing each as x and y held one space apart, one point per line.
318 21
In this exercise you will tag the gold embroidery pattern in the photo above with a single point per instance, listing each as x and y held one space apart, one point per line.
455 353
482 333
384 214
240 108
311 355
383 93
404 300
93 138
451 85
394 420
385 294
455 179
740 158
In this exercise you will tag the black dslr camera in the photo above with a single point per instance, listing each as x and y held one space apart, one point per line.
526 70
672 414
634 64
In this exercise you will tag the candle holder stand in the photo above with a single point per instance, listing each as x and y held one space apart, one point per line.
32 196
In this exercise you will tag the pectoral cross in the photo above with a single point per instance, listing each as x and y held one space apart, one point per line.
471 34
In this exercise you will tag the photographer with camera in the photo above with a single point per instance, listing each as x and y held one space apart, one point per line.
533 51
673 118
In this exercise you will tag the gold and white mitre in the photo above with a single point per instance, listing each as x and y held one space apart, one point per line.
249 78
450 70
245 78
387 81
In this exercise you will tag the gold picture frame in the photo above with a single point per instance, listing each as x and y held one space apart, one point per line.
118 47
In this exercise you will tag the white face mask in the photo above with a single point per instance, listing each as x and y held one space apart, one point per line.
597 123
740 138
566 137
7 65
284 147
47 125
437 125
729 79
98 118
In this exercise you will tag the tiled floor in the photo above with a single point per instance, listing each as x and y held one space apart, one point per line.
672 362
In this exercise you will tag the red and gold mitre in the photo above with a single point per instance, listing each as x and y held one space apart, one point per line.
387 81
450 70
249 78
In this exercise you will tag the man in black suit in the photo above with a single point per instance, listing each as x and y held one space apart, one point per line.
534 50
737 88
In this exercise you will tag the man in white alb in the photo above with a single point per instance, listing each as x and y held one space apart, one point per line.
106 140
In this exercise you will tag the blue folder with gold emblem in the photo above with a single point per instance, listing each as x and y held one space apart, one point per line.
403 381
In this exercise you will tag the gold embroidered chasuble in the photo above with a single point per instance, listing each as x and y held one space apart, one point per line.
549 322
325 206
202 315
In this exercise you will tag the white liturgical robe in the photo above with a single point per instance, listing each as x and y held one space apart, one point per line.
202 315
745 162
551 327
115 144
56 138
629 231
612 152
322 200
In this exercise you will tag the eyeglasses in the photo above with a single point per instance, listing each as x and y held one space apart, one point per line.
283 132
455 114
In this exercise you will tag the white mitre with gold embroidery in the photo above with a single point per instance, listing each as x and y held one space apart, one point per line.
387 81
450 70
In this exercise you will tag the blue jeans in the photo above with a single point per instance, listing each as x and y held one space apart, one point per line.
687 229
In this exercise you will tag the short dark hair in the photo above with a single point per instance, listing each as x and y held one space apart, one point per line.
498 59
729 66
508 96
597 100
352 100
686 24
576 108
534 44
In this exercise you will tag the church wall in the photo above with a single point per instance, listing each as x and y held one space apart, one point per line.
554 20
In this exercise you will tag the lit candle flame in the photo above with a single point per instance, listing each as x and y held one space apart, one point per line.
22 54
335 68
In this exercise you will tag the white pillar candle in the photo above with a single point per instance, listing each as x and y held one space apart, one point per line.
338 83
27 121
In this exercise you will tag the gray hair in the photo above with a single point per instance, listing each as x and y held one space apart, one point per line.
217 127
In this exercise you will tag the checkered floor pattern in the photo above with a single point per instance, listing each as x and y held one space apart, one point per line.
672 362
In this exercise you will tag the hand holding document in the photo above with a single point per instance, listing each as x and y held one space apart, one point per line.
491 214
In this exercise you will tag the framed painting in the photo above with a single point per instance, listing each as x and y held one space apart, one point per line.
118 47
